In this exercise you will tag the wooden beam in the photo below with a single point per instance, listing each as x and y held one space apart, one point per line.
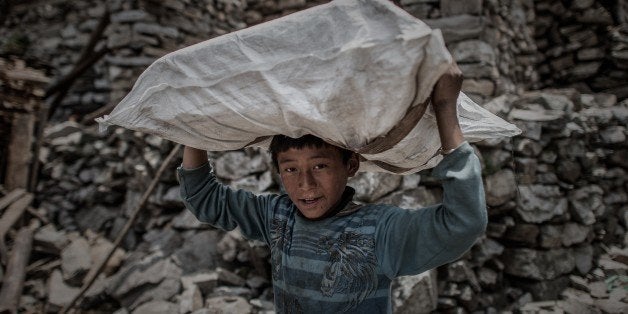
20 154
10 217
13 281
10 198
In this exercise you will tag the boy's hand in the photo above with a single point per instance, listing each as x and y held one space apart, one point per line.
447 87
193 158
444 97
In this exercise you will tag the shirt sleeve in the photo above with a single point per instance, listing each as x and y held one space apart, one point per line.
413 241
222 207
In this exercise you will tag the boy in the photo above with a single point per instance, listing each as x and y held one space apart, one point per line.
328 254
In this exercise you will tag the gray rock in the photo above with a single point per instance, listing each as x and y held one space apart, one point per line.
479 87
210 280
51 240
450 27
583 256
190 300
165 290
569 171
60 294
523 234
473 51
412 199
486 249
198 252
157 307
500 187
527 168
539 203
487 277
155 29
415 294
551 236
453 7
236 164
147 273
539 265
535 115
460 271
221 291
228 304
528 147
129 61
370 186
76 261
585 203
574 233
613 135
130 16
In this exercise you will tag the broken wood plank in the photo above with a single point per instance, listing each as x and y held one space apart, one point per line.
15 272
20 154
13 213
10 198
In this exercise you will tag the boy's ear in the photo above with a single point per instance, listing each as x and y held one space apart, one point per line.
353 164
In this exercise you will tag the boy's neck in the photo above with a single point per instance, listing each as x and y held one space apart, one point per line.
345 199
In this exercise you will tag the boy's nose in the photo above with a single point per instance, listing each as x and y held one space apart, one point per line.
306 180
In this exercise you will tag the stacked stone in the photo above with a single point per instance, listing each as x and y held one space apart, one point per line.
580 45
566 194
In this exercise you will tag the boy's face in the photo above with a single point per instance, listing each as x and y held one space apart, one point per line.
315 178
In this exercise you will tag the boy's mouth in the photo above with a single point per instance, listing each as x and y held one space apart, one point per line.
310 201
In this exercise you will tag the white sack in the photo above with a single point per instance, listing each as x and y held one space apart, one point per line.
347 71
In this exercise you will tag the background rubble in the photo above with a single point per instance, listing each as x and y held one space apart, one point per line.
557 195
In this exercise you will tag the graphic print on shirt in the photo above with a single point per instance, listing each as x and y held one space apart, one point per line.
279 239
351 268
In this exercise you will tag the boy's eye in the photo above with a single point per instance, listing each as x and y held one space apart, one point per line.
320 166
289 169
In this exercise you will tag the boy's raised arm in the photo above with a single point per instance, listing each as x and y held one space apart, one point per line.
444 98
193 158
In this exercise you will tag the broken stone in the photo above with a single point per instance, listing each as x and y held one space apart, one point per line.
412 198
190 300
585 202
584 258
198 252
207 282
237 164
150 271
415 294
50 239
76 261
539 265
539 203
370 186
228 304
451 30
60 294
524 234
157 307
500 187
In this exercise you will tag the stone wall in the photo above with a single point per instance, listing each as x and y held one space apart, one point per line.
583 44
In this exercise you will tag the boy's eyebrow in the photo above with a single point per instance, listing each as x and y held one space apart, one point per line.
288 159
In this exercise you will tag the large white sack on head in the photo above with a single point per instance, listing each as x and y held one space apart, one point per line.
348 71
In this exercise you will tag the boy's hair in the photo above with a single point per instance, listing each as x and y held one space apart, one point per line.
282 143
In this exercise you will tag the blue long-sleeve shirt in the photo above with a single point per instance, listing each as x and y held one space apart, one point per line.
345 263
